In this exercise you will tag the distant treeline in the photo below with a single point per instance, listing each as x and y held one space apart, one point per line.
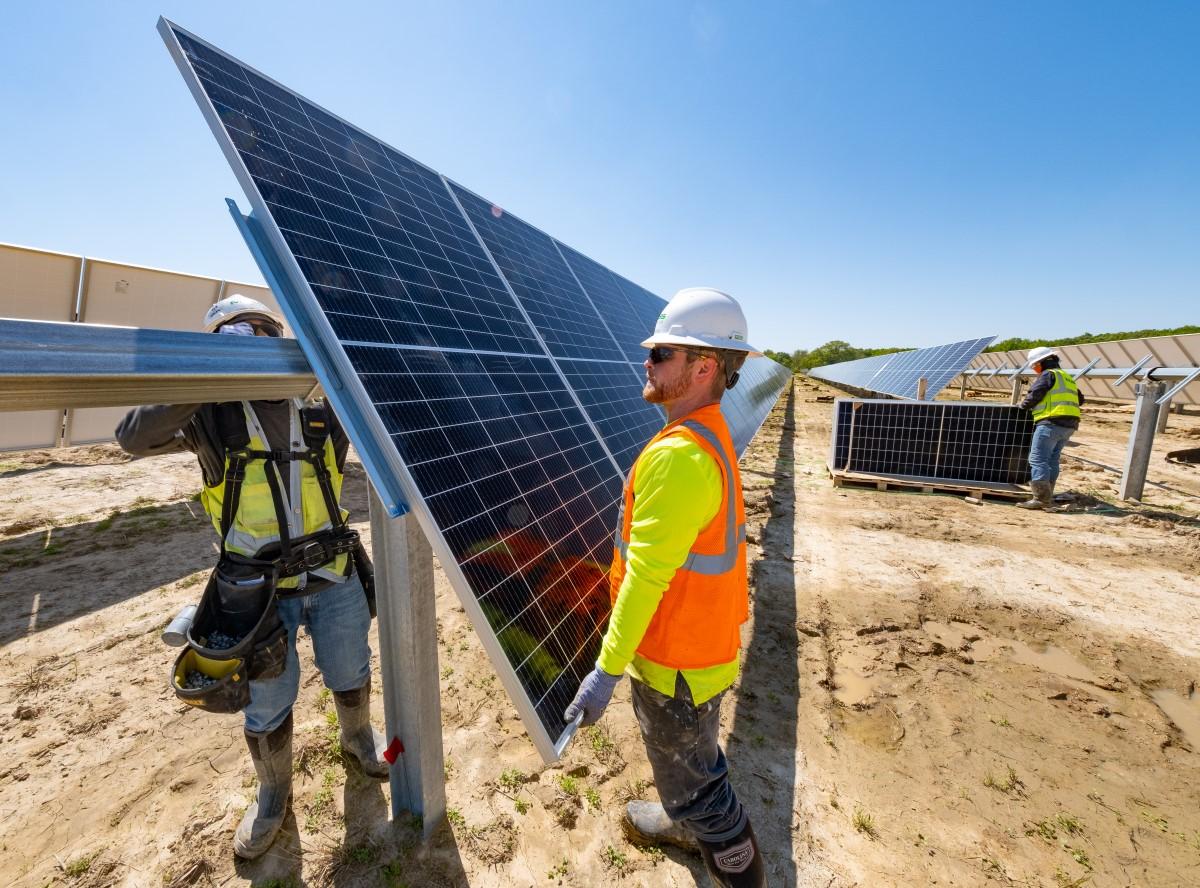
837 351
830 353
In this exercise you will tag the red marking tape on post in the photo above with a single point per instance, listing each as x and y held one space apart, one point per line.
394 751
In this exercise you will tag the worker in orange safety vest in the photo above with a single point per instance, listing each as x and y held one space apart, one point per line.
679 590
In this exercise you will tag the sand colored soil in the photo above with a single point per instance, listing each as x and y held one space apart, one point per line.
934 693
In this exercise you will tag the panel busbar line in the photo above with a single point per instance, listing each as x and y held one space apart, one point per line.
504 437
899 373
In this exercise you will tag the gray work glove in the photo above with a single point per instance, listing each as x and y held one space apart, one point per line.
593 695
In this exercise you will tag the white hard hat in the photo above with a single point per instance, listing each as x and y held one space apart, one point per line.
704 318
235 307
1037 355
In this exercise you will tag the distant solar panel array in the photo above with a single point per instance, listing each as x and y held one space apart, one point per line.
899 373
488 370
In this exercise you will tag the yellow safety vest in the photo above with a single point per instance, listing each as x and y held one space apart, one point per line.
256 524
1062 400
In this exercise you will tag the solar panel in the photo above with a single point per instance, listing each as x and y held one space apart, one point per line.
983 444
488 375
746 406
899 373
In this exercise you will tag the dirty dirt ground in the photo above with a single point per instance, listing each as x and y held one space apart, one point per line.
934 692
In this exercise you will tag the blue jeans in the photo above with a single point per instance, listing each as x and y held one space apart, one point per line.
337 619
1048 442
689 765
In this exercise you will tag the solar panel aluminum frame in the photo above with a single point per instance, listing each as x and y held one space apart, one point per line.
393 483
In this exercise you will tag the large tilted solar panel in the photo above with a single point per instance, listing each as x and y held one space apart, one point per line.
900 373
481 379
951 441
747 404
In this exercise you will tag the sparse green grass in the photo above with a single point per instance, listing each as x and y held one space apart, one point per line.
759 740
448 768
324 698
512 779
593 798
615 860
599 740
654 853
455 817
79 866
447 671
1009 784
105 523
559 870
632 791
1001 722
1156 821
393 875
569 785
1080 857
864 822
321 805
521 806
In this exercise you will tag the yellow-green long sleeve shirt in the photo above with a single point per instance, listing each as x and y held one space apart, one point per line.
676 492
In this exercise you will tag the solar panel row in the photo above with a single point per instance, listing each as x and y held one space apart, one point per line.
502 367
900 373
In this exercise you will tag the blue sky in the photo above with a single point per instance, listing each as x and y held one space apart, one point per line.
887 173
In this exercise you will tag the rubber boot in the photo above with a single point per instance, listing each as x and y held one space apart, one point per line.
272 756
359 740
648 824
736 863
1041 496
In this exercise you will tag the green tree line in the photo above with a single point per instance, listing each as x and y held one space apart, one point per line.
837 351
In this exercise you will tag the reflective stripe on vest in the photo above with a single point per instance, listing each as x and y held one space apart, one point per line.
697 622
256 524
735 533
1062 400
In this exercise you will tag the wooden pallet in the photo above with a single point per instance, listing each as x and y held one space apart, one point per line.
860 481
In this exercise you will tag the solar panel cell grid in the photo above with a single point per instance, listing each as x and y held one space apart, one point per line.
899 373
504 435
950 441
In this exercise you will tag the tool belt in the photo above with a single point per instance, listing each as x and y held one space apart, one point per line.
236 637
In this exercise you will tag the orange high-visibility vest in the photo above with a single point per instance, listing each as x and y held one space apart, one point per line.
697 621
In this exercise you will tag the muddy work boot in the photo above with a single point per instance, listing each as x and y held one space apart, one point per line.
1041 498
359 740
272 756
647 823
736 863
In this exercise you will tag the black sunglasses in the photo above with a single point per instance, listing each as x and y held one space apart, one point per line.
661 353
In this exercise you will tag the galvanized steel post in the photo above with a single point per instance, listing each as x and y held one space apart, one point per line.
408 665
1141 440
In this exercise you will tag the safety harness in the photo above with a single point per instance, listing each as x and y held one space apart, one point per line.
290 557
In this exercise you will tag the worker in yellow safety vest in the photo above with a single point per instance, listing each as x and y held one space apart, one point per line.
679 590
1054 399
272 480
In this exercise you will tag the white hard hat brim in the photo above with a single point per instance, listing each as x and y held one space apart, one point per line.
696 342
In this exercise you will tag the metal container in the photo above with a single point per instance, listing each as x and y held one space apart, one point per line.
175 635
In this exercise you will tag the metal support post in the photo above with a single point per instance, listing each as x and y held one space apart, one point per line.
1164 411
1141 440
408 665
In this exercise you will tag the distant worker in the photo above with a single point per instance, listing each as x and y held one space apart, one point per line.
679 590
286 503
1055 400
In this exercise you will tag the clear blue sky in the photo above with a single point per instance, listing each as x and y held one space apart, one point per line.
886 173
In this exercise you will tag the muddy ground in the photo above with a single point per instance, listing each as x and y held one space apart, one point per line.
934 693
